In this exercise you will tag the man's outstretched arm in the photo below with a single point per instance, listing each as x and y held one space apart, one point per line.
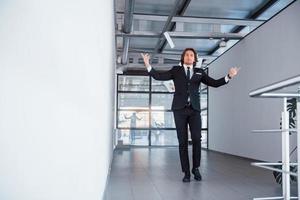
222 81
162 76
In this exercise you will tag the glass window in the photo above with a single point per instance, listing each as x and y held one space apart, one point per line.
135 122
203 105
164 137
204 139
162 119
161 101
204 119
203 88
133 101
133 137
133 83
162 86
203 101
133 119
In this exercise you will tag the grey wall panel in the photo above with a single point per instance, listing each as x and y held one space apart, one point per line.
269 54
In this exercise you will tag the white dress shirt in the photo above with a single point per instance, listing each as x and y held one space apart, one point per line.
191 69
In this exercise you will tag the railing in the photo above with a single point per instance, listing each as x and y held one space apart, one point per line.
268 92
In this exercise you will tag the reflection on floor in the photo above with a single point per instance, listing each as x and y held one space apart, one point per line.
154 173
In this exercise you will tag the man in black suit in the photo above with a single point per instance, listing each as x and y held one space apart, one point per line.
186 104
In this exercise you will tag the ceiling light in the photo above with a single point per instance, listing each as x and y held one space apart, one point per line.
171 43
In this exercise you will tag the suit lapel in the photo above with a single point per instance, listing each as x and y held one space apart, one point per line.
195 70
183 72
193 73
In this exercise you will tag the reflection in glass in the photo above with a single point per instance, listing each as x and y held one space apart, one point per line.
162 119
203 105
164 137
203 102
133 111
133 101
133 137
204 139
133 83
162 86
161 101
204 118
133 119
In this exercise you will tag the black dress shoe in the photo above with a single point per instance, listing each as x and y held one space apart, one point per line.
197 174
187 177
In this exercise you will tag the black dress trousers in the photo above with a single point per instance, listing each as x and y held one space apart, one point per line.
185 117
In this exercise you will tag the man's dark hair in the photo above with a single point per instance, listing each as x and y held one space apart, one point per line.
195 56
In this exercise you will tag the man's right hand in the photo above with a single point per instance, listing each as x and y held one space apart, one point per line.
146 58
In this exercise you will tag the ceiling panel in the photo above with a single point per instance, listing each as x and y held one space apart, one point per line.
143 43
219 8
201 45
228 9
141 25
163 7
274 9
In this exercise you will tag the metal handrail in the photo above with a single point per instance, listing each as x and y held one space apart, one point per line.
266 166
279 95
268 92
293 130
276 86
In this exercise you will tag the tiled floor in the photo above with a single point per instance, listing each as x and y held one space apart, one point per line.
154 174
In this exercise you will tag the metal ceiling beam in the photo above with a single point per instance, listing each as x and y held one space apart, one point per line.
173 25
126 41
253 15
179 52
220 21
185 35
166 56
167 52
207 35
141 66
170 54
179 8
128 15
128 18
199 20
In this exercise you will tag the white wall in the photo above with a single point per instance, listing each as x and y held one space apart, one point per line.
56 98
269 54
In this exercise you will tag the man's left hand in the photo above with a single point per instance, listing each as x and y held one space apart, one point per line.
233 71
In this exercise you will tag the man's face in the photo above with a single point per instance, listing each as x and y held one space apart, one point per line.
189 58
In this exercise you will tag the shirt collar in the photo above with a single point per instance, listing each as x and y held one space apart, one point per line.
185 66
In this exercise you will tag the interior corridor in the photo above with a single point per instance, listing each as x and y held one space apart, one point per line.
154 174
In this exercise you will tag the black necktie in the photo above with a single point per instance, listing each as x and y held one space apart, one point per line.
188 74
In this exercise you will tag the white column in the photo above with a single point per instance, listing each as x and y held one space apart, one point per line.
285 152
298 141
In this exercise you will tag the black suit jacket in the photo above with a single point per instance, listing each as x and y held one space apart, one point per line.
185 87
